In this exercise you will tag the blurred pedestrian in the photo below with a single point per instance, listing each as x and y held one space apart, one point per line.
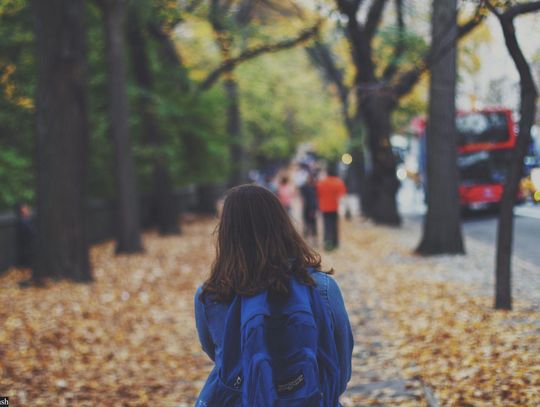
26 235
329 191
269 183
309 210
285 193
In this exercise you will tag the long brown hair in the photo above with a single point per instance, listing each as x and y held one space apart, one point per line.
257 247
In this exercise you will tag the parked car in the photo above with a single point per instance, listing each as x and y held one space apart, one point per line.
530 185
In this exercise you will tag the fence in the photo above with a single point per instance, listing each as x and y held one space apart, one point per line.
101 218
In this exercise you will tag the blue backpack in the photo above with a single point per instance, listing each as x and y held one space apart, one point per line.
278 352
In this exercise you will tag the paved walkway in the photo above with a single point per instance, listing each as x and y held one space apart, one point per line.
376 378
413 320
129 338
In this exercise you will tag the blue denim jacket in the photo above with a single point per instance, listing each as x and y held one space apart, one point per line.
210 320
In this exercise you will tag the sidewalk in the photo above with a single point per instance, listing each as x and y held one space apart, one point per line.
440 343
129 339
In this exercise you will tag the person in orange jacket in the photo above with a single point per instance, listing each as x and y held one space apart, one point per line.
329 191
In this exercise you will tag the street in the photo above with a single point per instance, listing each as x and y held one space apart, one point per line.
479 232
483 227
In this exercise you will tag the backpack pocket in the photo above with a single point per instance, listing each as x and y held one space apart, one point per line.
290 382
297 380
227 395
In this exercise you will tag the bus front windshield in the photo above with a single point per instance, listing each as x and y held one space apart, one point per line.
482 127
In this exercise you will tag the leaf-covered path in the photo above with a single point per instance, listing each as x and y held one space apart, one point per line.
129 338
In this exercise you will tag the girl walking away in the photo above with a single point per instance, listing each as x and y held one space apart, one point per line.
272 321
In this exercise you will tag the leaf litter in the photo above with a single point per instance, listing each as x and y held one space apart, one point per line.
129 338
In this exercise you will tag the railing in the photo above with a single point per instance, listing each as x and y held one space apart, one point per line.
101 219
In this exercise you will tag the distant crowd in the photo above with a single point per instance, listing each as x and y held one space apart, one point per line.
320 191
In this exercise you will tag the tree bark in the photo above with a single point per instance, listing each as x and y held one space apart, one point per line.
375 104
234 131
322 57
234 124
358 166
62 141
375 108
128 229
224 31
377 97
442 223
505 230
163 201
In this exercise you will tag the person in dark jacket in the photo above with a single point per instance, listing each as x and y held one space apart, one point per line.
259 249
309 210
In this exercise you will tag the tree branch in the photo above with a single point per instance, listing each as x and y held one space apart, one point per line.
244 14
192 5
506 19
322 57
528 95
391 69
522 8
374 18
349 7
168 52
250 53
358 40
284 10
216 13
509 31
407 80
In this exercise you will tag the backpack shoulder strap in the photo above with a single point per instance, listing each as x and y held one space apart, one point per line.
254 306
298 300
231 343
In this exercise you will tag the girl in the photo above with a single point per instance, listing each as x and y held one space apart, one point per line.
258 250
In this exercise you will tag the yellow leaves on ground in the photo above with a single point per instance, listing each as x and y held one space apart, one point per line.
445 334
129 338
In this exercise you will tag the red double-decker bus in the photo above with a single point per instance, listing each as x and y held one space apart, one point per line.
485 140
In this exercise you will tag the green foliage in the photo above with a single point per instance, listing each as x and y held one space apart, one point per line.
195 146
411 106
284 104
191 125
17 84
15 177
282 101
414 46
101 180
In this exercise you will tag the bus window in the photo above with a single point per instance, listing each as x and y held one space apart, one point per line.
482 127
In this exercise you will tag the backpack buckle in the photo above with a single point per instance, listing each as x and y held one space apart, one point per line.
238 382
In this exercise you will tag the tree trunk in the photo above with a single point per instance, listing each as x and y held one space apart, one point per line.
128 228
234 131
505 230
382 184
62 141
442 223
358 165
163 201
